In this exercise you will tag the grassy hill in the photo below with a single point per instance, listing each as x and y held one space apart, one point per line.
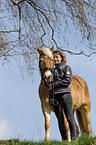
83 140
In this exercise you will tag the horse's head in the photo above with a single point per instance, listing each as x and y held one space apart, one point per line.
46 64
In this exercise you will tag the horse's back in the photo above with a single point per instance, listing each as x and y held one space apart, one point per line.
80 92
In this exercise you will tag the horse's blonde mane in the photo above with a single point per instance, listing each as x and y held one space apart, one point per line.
47 52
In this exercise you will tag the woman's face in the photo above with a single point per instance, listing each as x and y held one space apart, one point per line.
57 58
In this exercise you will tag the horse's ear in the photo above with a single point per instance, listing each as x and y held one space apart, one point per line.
52 48
38 49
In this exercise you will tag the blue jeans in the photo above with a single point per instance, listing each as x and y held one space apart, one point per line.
64 102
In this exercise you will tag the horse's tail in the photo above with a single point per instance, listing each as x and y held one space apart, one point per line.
81 121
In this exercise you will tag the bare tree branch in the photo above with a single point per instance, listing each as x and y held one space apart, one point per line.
47 20
14 2
19 9
89 5
80 53
9 31
70 24
19 21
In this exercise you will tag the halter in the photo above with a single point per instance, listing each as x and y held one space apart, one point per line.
54 102
43 77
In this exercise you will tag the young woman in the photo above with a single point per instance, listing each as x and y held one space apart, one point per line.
62 94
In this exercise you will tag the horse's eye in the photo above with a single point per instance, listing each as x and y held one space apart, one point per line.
40 60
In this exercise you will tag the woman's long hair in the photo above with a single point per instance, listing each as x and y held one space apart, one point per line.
63 56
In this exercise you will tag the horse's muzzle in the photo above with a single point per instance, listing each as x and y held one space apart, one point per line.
48 75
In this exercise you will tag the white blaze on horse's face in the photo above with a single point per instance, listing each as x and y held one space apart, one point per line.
46 65
48 76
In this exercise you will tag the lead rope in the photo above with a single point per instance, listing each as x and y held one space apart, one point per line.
54 102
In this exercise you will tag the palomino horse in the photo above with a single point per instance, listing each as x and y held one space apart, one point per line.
79 91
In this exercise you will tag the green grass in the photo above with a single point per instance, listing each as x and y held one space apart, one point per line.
83 140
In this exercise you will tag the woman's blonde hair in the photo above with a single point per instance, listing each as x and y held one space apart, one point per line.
63 56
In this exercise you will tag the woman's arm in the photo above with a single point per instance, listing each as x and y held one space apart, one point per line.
66 78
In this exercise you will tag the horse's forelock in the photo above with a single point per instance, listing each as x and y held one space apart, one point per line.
47 52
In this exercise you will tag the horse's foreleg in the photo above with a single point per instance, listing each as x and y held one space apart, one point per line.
46 111
47 125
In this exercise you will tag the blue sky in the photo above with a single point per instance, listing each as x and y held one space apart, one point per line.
20 108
